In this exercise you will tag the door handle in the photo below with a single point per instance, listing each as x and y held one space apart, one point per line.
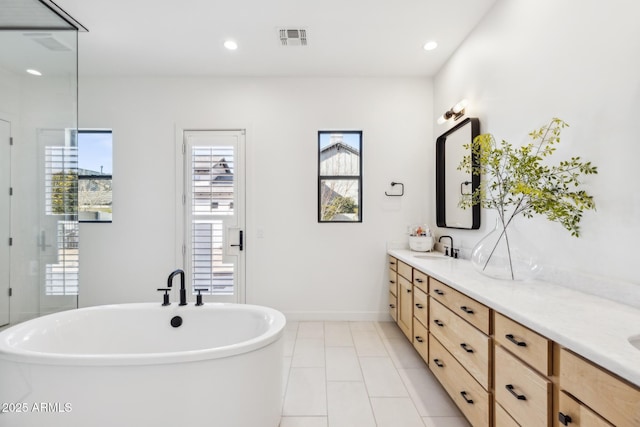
240 245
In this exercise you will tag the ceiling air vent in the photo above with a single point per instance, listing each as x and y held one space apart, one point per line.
293 37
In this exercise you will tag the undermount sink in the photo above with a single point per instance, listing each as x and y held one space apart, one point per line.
431 255
635 341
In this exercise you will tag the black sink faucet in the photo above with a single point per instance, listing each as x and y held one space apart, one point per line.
446 249
183 291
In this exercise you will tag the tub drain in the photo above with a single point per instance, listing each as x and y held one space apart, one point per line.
176 321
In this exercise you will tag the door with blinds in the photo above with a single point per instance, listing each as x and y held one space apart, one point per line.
58 234
213 206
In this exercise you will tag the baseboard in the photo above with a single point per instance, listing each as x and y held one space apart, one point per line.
336 316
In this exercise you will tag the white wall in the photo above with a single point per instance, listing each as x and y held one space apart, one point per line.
529 61
306 269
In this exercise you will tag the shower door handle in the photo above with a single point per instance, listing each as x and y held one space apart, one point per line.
240 244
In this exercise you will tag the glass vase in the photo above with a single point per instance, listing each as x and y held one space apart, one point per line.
505 254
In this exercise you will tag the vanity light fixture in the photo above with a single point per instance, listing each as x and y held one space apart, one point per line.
455 112
34 72
230 45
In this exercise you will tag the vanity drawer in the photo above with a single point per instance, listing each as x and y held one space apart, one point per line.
470 346
405 307
523 342
393 263
502 418
420 306
469 309
522 392
393 282
571 412
421 339
421 280
615 400
471 398
393 307
405 270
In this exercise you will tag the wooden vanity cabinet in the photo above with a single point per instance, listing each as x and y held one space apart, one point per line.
460 350
523 365
572 412
592 396
499 372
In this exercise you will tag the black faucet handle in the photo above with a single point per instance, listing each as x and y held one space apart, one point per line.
165 297
199 296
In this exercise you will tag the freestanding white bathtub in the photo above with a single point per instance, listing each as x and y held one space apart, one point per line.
126 365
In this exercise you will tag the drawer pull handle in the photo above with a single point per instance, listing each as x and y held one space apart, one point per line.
438 291
392 262
438 322
392 281
516 395
419 280
419 339
408 291
564 419
420 306
466 399
392 305
438 363
466 309
466 347
515 341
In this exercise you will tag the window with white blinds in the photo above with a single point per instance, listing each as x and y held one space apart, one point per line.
61 278
61 200
61 180
212 199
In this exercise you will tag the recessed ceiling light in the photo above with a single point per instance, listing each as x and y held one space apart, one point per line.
231 45
34 72
430 45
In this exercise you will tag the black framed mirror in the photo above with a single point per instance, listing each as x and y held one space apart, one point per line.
453 184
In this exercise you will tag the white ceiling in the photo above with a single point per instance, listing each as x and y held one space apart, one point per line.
346 37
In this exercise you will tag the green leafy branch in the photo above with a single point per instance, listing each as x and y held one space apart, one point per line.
517 180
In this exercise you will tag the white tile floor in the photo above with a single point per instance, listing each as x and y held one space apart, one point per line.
359 374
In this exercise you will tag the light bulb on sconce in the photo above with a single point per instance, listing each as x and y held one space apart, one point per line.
455 112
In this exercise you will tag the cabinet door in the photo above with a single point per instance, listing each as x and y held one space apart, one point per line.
405 307
572 413
521 391
609 396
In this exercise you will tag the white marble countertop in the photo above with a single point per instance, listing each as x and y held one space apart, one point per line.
591 326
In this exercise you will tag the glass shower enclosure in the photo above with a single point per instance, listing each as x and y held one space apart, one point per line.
39 251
